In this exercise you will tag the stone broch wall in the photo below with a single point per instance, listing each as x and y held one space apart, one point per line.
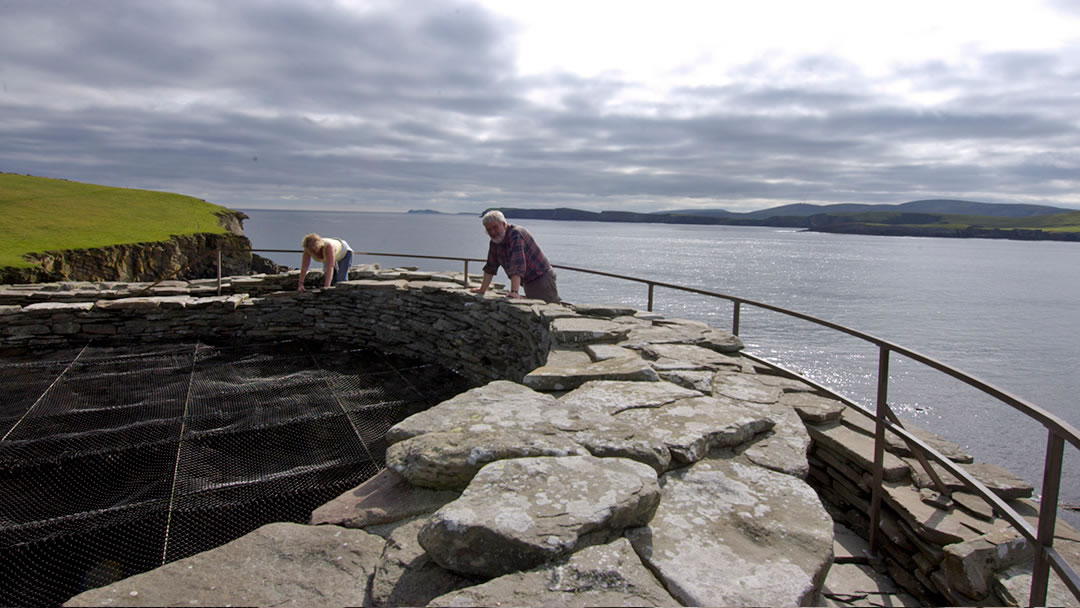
610 457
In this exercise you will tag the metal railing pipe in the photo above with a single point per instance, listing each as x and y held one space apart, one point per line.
879 446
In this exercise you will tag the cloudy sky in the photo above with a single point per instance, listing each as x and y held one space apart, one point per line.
457 106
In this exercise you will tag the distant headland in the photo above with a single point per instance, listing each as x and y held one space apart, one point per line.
932 218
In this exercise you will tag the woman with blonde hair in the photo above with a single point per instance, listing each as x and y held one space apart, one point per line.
335 255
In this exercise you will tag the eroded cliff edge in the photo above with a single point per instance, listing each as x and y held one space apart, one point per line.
185 257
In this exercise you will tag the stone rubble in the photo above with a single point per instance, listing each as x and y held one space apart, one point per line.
606 457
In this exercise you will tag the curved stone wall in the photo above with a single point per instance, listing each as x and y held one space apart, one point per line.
428 315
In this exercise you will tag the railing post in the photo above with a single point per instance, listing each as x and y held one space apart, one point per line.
650 296
879 446
219 271
1040 572
735 318
466 273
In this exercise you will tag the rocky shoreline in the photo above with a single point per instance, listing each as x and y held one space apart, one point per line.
620 458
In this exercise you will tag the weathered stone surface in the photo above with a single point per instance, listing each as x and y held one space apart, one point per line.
998 480
689 428
680 331
406 576
973 504
935 525
603 352
554 377
58 307
602 575
664 364
603 310
744 387
948 449
970 565
277 564
898 446
518 514
860 585
700 381
612 397
813 408
1013 587
789 385
855 447
582 330
785 447
720 341
448 461
698 356
732 534
384 498
140 303
497 405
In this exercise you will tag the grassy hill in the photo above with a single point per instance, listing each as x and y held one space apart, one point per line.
40 214
1068 221
939 206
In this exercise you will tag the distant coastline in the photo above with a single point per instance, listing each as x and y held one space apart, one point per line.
1026 222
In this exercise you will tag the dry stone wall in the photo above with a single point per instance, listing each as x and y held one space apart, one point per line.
610 457
420 314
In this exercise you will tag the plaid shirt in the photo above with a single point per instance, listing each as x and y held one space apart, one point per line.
518 254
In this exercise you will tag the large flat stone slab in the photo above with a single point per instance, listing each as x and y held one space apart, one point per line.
494 406
583 330
448 461
812 408
406 575
856 448
613 397
689 428
564 377
277 564
518 514
785 447
602 575
385 498
685 332
744 387
728 533
698 356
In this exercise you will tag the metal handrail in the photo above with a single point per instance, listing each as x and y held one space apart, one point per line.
1058 430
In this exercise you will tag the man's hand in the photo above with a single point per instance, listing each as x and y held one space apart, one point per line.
300 287
513 294
479 290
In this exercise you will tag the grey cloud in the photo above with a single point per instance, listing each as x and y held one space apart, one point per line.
419 105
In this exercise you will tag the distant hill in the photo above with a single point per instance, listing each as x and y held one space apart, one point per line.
938 218
944 206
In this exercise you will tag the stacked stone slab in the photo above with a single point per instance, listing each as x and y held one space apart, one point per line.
427 315
610 457
942 548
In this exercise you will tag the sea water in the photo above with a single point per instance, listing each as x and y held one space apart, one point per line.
1006 312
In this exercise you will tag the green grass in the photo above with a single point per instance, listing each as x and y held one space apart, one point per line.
39 214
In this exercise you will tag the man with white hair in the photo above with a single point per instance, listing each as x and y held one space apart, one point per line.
513 248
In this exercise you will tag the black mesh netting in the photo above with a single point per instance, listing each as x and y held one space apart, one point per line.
117 459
